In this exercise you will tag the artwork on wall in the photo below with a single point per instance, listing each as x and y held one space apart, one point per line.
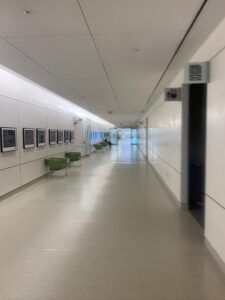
8 139
71 136
59 136
52 136
41 137
66 136
28 138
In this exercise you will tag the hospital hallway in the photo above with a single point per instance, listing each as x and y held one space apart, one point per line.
107 231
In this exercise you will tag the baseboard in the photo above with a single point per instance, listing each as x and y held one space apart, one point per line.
215 255
181 205
23 187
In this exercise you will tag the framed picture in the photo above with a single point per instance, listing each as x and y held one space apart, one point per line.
66 136
28 138
59 136
71 136
41 137
8 139
52 136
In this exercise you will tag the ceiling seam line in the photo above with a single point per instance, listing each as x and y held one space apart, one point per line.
98 52
43 36
175 53
49 73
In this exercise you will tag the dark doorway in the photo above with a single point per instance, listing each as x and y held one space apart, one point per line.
194 145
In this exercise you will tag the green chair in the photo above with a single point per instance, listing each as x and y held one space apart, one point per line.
56 164
74 156
105 145
98 146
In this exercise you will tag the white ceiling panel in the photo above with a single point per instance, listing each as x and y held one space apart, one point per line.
150 50
96 91
125 16
76 70
130 117
57 50
135 40
16 61
65 57
47 17
132 91
135 63
114 119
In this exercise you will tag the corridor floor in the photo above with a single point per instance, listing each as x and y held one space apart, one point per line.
108 231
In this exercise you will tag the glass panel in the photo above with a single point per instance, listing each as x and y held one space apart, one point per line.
113 136
134 136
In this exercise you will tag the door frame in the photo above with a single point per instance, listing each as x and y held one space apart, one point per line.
186 200
146 138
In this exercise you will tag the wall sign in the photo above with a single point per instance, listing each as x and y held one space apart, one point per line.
173 94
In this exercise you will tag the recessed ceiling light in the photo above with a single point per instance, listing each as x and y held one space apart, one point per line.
27 12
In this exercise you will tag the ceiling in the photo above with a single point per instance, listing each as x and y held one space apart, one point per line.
105 55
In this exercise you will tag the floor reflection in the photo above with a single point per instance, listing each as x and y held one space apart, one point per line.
126 153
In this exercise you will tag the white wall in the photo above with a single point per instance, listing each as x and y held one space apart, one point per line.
165 139
24 104
215 163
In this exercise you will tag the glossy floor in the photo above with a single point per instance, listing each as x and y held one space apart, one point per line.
108 231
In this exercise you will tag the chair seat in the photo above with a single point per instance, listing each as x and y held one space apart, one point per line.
104 144
56 163
98 146
73 156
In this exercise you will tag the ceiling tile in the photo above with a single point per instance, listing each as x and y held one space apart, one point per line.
47 17
64 57
135 63
135 39
96 91
76 70
145 50
125 16
56 50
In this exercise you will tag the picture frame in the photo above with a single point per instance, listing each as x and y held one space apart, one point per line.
66 136
52 136
28 138
60 136
8 139
41 137
71 136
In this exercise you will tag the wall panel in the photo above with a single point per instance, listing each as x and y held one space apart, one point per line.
10 179
26 105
